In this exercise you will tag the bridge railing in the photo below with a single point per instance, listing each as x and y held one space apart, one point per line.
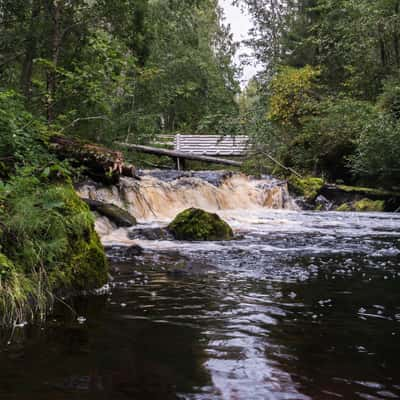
210 145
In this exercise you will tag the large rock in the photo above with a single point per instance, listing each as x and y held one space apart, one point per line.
196 224
364 205
150 233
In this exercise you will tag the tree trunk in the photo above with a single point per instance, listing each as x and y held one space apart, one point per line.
180 155
396 40
30 51
56 14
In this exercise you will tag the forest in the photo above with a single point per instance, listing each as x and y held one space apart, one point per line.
326 103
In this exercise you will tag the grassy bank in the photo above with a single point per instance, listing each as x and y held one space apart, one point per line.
47 244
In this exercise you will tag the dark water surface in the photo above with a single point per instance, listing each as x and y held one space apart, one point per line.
303 306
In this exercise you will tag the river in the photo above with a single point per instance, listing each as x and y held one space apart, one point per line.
302 305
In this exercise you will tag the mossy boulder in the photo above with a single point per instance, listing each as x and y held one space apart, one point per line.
308 187
84 264
345 207
196 224
368 205
363 205
48 243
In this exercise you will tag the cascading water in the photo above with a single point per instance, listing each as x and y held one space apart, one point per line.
160 196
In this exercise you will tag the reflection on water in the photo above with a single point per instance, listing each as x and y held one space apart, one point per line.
302 306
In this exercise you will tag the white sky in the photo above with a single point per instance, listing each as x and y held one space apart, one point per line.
240 23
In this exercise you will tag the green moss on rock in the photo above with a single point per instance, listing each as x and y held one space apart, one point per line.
308 188
368 205
367 191
197 224
345 207
364 205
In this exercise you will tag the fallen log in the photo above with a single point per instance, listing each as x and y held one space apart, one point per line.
102 164
179 154
115 214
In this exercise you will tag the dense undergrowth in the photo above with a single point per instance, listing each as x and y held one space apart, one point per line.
47 239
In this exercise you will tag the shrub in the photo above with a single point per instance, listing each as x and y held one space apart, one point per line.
22 136
377 156
389 100
328 139
293 95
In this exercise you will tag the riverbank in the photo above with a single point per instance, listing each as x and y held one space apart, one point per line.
48 246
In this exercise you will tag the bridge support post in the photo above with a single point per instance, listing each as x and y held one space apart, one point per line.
180 163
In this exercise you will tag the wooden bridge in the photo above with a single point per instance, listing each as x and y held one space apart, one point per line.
207 148
209 145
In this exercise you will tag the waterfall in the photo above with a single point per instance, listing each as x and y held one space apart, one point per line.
159 195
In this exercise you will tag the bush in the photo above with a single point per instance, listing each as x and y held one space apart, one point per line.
389 100
328 139
377 157
293 95
22 136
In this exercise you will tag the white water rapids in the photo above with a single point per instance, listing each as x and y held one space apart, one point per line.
157 199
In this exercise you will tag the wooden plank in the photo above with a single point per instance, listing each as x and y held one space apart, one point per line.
179 154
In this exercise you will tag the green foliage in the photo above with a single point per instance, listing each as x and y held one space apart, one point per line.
48 233
124 69
377 156
331 84
17 293
329 138
196 224
21 135
293 95
389 100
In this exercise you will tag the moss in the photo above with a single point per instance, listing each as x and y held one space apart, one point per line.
308 188
364 205
369 205
89 264
48 243
196 224
368 191
345 207
84 265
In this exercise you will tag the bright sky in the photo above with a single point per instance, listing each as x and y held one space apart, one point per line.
240 23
